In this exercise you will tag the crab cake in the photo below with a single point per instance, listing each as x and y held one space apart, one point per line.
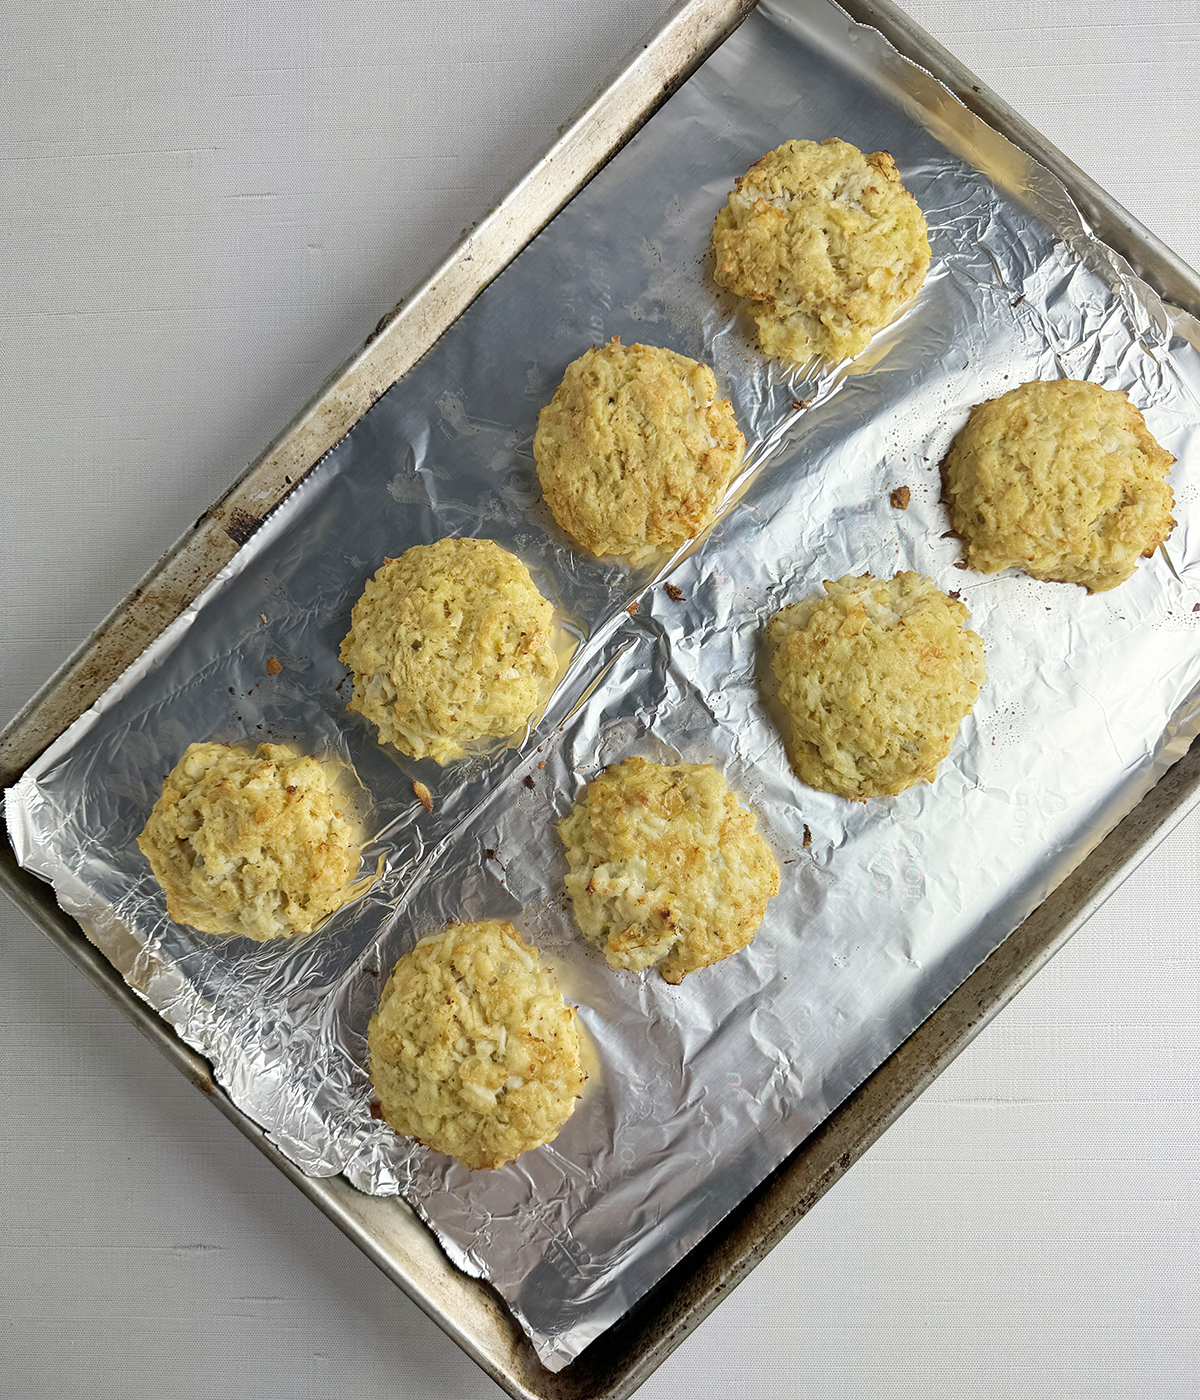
827 241
1062 480
249 843
473 1050
666 869
449 643
875 678
635 449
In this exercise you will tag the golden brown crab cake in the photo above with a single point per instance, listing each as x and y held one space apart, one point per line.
666 868
635 449
473 1050
249 843
1062 480
449 643
875 677
827 241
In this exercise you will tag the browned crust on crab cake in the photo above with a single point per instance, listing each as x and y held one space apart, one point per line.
875 677
666 868
449 643
828 244
635 449
1061 479
473 1051
249 843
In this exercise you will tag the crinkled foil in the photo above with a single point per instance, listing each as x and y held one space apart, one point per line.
886 906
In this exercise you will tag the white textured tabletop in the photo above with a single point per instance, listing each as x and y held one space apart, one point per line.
205 209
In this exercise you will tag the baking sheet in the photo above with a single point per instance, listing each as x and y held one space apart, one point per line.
703 1088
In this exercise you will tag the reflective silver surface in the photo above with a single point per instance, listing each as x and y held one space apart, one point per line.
701 1089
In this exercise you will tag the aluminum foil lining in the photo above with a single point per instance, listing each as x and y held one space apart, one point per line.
697 1091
